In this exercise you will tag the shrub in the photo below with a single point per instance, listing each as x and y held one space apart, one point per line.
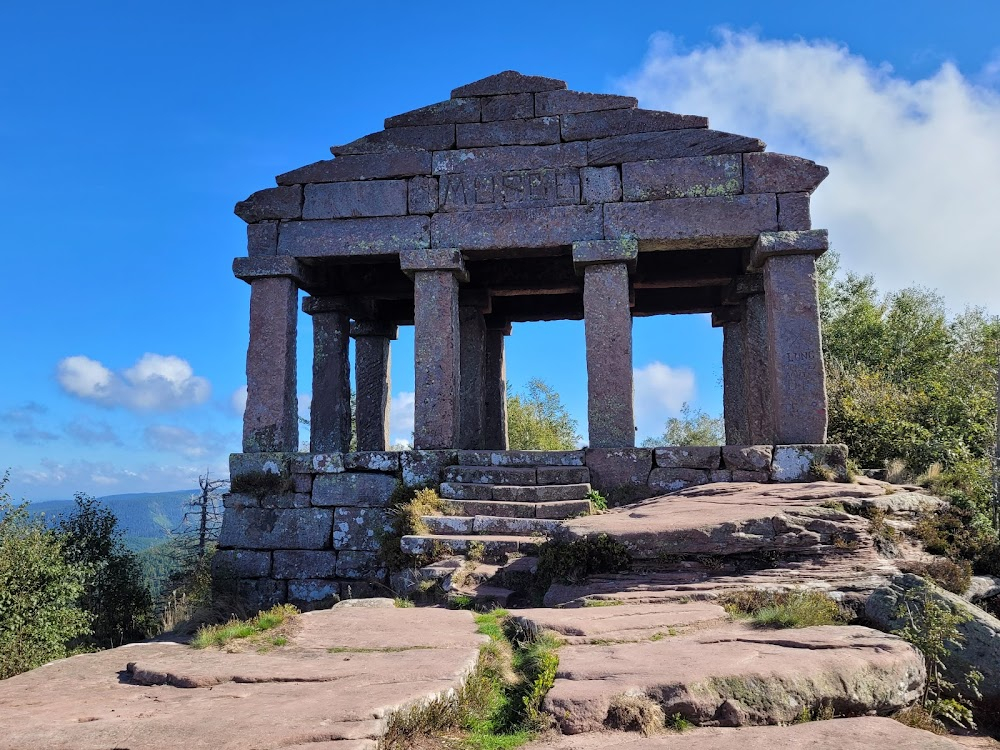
567 562
786 609
951 576
961 534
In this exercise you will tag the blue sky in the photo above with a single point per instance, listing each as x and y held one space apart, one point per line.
128 131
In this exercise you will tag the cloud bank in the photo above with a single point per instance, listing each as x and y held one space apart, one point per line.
154 383
660 392
912 188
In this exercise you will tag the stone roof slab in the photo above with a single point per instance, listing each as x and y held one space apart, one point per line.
508 82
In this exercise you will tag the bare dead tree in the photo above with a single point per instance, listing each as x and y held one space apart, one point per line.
204 514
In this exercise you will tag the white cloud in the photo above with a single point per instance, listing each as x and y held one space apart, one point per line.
912 189
52 480
660 392
155 383
239 400
401 418
185 442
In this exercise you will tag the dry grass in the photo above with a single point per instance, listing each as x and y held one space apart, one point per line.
635 713
784 609
919 717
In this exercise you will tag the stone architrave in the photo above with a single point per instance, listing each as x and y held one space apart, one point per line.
795 353
608 327
756 378
373 384
472 356
734 404
330 412
436 344
495 388
270 421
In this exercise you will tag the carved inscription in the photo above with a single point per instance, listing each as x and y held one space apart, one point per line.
518 189
801 357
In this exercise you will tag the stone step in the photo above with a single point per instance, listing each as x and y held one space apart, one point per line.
491 525
520 458
494 545
516 475
514 493
558 509
482 594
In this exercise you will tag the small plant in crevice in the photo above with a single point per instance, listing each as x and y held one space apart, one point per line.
884 534
677 723
251 631
784 609
597 501
407 506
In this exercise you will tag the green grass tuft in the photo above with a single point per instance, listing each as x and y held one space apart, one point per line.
788 609
222 635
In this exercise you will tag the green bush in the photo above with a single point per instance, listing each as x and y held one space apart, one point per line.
568 562
784 609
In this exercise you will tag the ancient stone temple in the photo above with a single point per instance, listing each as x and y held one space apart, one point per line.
514 200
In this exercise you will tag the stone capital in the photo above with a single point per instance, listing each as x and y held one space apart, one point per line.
771 244
591 252
415 260
313 305
267 267
383 328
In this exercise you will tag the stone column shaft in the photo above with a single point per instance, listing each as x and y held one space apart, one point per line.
734 385
495 391
330 414
756 379
270 422
373 383
436 359
472 339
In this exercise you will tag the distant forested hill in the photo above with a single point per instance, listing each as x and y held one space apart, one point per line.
145 518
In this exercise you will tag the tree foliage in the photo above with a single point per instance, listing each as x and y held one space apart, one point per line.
906 381
39 591
537 420
691 427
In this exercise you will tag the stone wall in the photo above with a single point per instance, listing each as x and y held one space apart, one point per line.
305 527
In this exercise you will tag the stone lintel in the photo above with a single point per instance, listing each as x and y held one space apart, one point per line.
742 287
477 298
722 316
433 259
313 305
496 323
591 252
383 328
267 267
769 244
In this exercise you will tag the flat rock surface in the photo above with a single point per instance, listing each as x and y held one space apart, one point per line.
733 518
861 733
621 622
301 694
737 676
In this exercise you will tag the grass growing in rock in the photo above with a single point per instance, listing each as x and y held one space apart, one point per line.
568 562
406 506
265 630
498 707
784 609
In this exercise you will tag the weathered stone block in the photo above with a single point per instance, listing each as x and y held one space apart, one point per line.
520 475
384 461
260 593
312 593
423 467
465 491
687 177
432 259
692 222
254 464
747 457
241 563
359 528
522 227
671 480
780 173
353 489
565 509
304 564
541 494
740 475
507 82
527 188
427 137
793 463
422 195
667 145
689 457
319 463
262 238
572 475
283 202
537 131
601 184
586 126
508 107
360 167
360 565
265 528
342 200
302 483
451 111
568 102
452 525
510 158
536 458
240 500
285 500
793 212
783 244
720 475
622 250
474 458
611 468
377 237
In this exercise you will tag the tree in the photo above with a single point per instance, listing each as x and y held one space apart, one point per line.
692 427
114 593
537 420
203 516
39 591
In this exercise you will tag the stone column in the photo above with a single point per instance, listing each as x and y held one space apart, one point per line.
373 382
472 303
435 274
608 324
795 352
495 387
756 377
733 374
270 421
330 414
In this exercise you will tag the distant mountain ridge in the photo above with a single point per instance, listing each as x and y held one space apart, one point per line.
145 518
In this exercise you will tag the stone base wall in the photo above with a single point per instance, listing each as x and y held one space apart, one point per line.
305 528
